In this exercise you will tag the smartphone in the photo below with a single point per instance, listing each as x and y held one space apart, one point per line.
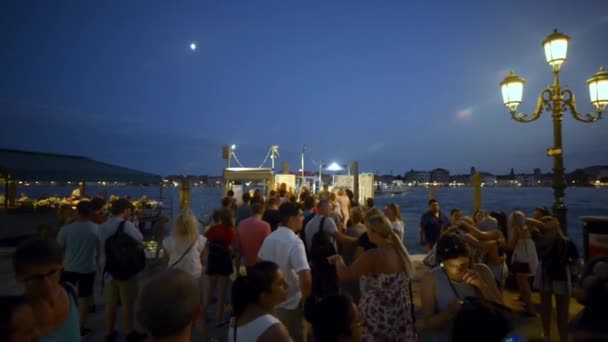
515 338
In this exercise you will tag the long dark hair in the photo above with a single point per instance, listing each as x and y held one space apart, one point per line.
451 246
246 290
501 219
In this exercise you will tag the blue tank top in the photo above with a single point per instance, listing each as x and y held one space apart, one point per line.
70 329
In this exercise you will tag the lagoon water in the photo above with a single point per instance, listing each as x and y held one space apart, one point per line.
580 202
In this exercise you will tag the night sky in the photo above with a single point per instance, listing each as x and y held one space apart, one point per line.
396 85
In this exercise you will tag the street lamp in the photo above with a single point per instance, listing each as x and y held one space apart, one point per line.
303 150
557 101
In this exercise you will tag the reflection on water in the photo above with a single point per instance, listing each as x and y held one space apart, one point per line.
580 202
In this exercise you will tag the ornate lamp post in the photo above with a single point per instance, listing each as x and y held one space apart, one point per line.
557 101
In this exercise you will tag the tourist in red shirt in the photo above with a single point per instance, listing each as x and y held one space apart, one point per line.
219 261
251 233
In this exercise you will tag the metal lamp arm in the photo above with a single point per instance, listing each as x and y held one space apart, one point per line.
570 104
544 101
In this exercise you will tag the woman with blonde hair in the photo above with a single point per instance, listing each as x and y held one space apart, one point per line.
524 261
185 249
385 274
393 213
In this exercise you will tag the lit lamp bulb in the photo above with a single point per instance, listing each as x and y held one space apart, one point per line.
556 49
598 90
512 88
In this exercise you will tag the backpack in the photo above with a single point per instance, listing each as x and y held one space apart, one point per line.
303 233
324 276
125 256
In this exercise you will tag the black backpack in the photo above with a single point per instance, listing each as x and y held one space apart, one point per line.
324 276
125 256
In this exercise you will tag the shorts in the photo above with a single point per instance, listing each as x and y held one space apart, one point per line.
544 283
124 291
82 281
219 265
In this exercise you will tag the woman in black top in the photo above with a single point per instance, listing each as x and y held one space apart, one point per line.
559 260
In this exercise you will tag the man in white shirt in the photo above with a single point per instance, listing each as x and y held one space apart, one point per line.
285 248
125 289
80 243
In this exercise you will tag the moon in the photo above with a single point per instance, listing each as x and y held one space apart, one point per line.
193 46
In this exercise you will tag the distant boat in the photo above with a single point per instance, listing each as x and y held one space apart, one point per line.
391 191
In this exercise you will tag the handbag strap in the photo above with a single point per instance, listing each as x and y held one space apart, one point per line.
183 255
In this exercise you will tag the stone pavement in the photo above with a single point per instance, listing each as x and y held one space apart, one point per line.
529 327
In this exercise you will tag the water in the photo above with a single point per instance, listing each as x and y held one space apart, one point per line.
580 202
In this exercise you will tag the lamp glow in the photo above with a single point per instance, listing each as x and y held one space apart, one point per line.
512 88
598 90
556 49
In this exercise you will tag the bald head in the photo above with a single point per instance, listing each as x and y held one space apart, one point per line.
169 303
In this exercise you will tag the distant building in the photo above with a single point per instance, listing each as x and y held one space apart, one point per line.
460 180
439 176
526 180
597 172
507 181
417 177
487 179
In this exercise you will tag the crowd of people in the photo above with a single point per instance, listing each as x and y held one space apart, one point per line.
305 268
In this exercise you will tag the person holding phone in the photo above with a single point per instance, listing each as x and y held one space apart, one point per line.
445 287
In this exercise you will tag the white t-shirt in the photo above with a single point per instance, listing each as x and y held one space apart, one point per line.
191 262
399 228
286 249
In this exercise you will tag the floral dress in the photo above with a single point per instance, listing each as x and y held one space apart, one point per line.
386 307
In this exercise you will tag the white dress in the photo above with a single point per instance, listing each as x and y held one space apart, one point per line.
525 252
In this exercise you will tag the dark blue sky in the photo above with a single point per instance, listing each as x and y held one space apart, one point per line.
395 85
